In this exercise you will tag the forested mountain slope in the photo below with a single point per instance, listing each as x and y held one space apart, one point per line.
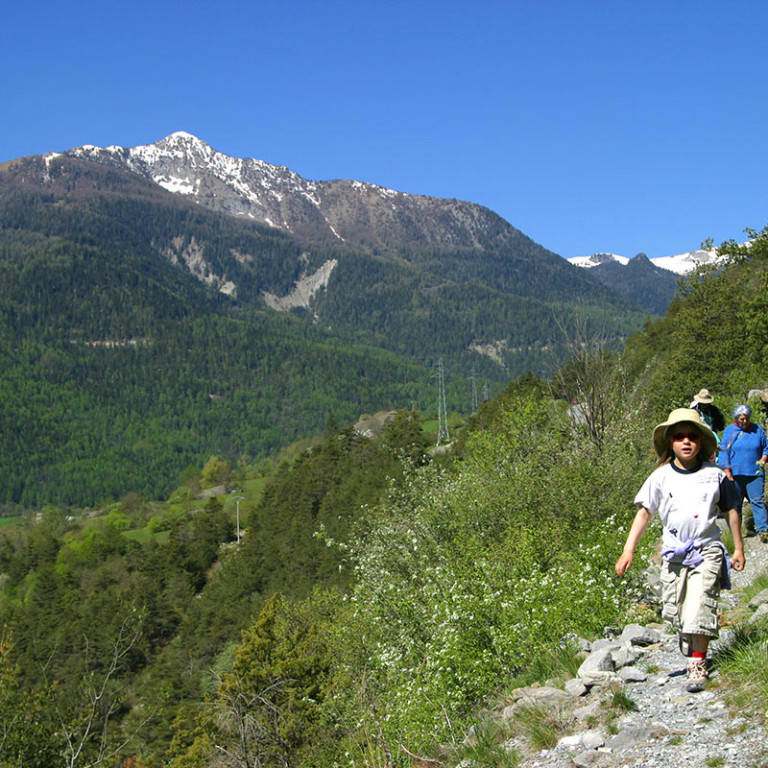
640 281
141 332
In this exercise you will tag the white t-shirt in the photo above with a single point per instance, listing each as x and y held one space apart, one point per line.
687 501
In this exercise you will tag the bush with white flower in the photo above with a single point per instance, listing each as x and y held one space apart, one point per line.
464 577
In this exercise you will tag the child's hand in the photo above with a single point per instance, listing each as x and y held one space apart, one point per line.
737 560
623 563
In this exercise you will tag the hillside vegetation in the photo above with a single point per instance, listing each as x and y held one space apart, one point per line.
135 340
380 598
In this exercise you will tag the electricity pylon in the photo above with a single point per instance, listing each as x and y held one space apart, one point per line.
442 416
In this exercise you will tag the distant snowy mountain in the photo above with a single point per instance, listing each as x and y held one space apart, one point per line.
650 283
640 281
681 264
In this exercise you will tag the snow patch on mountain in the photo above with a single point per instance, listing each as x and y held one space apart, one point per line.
684 263
177 186
597 258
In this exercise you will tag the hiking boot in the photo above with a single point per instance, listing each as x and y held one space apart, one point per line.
697 675
763 536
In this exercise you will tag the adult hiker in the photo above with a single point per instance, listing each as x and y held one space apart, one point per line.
743 453
710 413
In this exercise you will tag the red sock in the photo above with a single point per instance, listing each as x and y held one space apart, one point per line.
699 655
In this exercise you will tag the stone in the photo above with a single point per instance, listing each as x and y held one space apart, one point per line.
576 687
761 598
592 739
569 742
534 696
586 759
632 675
635 634
590 710
600 645
653 584
759 614
598 667
629 737
624 655
580 644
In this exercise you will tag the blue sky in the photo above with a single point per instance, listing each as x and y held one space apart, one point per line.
590 125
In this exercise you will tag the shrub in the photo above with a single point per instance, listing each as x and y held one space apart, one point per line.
464 578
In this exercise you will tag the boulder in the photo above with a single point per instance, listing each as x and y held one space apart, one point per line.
635 634
598 667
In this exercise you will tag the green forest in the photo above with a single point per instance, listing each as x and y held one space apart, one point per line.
353 600
121 369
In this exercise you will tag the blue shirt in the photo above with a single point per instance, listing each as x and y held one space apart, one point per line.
740 449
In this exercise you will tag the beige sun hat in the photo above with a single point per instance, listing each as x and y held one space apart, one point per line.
685 416
703 396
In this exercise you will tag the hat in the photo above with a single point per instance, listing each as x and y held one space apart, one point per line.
689 416
703 396
763 395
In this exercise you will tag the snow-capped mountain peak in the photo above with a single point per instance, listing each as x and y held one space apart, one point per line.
186 165
352 212
680 264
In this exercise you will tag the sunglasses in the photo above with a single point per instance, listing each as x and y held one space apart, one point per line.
694 437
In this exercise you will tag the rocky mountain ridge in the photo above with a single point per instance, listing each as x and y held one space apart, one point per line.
356 213
650 283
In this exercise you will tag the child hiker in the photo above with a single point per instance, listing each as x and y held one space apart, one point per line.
687 490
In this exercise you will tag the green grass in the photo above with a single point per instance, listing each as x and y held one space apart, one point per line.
430 427
142 535
558 664
9 522
756 587
743 664
622 702
486 747
253 490
540 725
